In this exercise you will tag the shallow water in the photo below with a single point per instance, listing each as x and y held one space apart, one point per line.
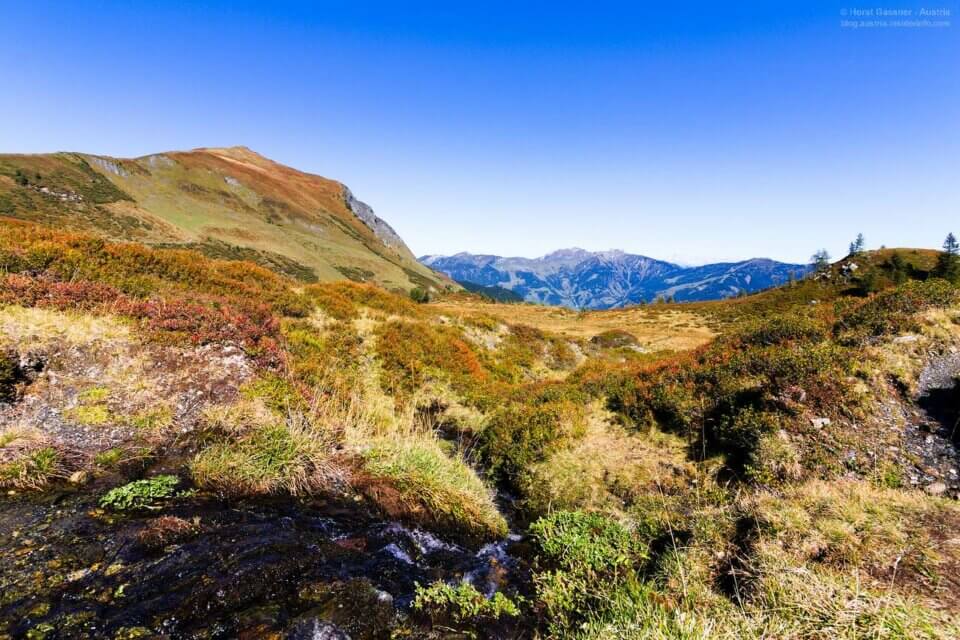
69 570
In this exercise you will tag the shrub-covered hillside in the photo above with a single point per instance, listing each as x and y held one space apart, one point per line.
197 448
229 203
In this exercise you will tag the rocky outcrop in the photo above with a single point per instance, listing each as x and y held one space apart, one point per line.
380 228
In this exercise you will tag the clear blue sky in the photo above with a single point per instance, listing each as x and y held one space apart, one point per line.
703 132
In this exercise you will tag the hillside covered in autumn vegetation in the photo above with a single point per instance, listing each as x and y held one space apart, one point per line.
198 447
227 203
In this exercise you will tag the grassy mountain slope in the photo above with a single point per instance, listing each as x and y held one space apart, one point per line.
227 203
191 446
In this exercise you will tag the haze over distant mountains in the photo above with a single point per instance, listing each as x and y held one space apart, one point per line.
609 279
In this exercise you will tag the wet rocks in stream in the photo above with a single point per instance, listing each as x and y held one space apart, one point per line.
213 570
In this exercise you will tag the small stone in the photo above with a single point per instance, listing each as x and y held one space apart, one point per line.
79 574
936 489
79 477
906 339
820 423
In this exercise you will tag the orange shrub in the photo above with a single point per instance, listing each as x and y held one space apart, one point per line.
340 299
412 351
138 270
332 301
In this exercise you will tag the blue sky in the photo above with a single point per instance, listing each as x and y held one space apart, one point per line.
705 132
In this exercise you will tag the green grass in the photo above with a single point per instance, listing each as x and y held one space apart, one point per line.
449 492
33 470
256 451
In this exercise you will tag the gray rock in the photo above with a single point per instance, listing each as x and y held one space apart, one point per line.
820 423
936 488
110 165
380 228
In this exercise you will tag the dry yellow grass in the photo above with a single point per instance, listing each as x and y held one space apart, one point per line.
655 328
609 467
33 327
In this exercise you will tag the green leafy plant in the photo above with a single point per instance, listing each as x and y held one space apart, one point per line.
462 604
141 494
583 558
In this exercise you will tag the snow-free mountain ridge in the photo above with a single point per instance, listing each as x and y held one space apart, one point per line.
608 279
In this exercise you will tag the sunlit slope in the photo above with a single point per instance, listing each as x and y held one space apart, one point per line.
228 203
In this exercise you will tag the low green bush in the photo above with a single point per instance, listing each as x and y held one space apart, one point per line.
520 434
782 329
141 494
582 559
462 605
893 311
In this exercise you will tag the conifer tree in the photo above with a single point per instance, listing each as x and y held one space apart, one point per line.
820 261
948 262
857 246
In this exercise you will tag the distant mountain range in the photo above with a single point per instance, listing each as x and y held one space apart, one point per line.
609 279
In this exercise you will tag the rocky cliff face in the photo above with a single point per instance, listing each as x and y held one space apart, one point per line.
609 279
380 228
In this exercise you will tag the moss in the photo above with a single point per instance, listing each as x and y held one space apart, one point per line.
91 415
95 395
152 419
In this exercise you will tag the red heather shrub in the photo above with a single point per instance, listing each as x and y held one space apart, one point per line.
138 270
202 321
45 292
